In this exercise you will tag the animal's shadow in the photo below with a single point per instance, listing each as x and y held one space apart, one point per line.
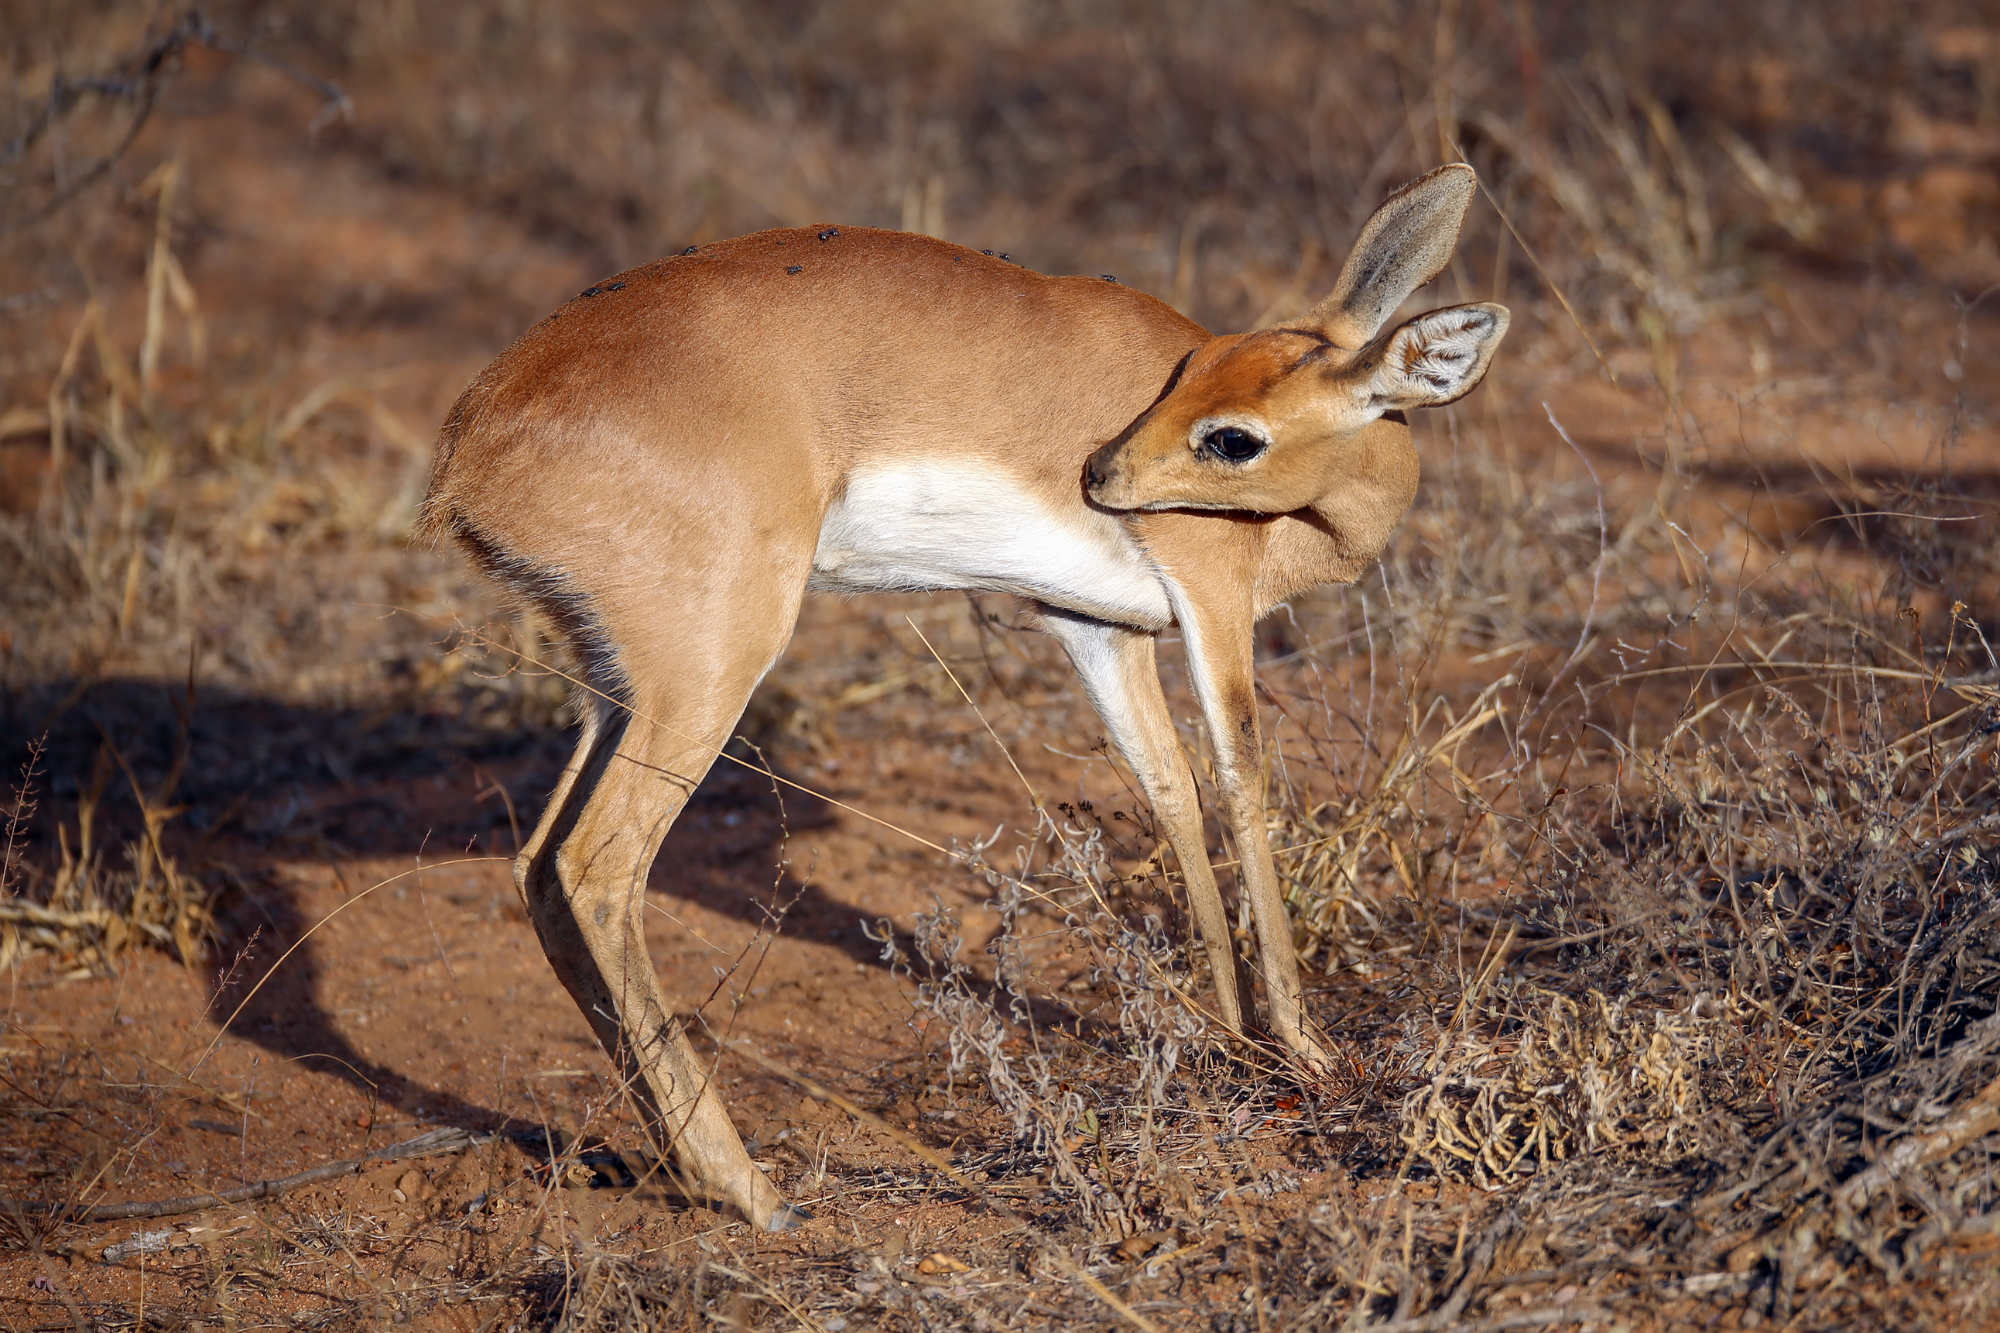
259 781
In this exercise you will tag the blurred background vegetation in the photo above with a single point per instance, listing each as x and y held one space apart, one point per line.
248 252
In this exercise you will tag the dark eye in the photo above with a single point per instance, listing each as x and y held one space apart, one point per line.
1233 444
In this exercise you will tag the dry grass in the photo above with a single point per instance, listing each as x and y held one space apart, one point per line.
88 907
1650 901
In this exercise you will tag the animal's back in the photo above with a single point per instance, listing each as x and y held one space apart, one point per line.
759 372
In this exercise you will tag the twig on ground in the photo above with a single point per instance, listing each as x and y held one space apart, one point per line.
436 1143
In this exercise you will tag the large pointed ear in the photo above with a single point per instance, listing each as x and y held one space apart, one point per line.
1437 358
1404 245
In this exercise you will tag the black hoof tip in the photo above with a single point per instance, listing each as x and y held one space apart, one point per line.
786 1217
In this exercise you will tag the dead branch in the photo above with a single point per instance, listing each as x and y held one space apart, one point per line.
1977 1118
436 1143
138 81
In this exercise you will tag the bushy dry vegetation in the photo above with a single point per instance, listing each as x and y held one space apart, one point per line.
1638 813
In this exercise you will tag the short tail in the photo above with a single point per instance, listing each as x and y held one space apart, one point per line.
438 517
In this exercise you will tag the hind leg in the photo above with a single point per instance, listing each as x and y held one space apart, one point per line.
583 875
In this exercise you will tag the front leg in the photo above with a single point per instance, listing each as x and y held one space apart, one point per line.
1217 622
1120 675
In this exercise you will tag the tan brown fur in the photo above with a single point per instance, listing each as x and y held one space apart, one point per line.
667 462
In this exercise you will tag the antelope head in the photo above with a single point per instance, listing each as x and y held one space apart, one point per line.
1260 421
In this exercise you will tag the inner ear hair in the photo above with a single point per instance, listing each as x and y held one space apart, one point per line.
1438 357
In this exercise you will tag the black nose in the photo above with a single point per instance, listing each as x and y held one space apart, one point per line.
1097 471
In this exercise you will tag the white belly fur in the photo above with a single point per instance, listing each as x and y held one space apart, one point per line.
934 525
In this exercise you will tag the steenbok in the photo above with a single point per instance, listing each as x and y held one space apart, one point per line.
670 462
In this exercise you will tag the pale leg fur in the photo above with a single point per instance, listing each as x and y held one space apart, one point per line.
1121 677
1220 660
584 877
583 872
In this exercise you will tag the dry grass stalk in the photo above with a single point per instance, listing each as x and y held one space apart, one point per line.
89 908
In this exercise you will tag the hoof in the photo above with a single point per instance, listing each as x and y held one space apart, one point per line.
1312 1058
786 1216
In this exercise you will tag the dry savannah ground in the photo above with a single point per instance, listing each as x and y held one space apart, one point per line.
1637 812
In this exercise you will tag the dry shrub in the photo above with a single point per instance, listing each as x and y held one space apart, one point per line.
600 1292
1585 1074
1782 893
1320 847
991 1029
1696 1011
90 907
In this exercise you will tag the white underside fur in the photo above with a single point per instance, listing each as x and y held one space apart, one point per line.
930 526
